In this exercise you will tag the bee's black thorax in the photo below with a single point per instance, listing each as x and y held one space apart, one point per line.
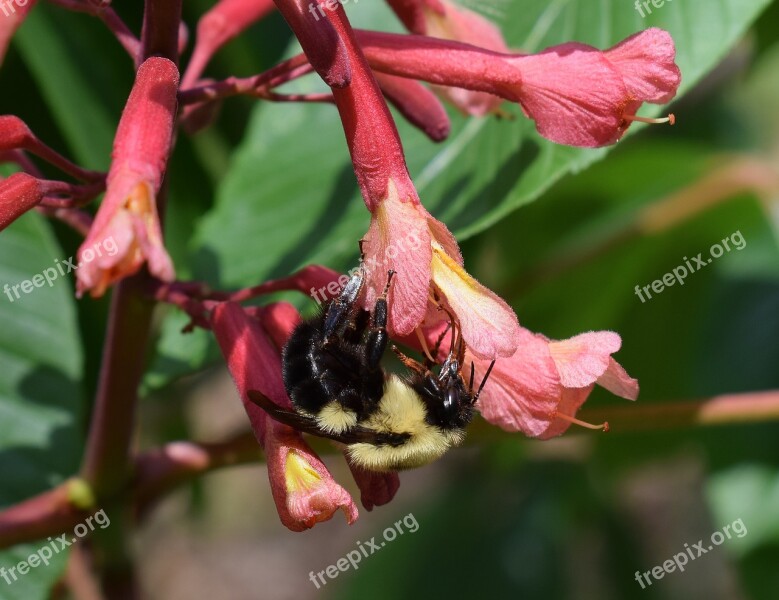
316 373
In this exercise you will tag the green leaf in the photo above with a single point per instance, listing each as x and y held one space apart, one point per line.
68 56
41 405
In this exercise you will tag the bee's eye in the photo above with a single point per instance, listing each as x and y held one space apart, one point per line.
451 401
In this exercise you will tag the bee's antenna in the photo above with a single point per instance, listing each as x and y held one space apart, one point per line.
483 381
470 385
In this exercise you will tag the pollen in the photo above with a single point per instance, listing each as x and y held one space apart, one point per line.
299 475
140 200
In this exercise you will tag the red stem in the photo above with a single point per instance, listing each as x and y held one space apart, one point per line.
107 463
45 515
295 67
160 33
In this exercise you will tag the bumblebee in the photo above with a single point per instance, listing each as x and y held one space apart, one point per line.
332 371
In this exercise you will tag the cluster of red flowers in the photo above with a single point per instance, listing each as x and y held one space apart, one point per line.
576 94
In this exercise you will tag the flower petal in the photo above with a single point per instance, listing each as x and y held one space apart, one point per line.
376 489
489 325
571 400
303 489
133 227
582 359
646 61
618 382
522 392
574 94
399 240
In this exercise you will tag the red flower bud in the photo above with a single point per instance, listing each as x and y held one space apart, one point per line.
18 194
128 213
577 95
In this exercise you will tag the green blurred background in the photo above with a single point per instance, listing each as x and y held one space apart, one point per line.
269 188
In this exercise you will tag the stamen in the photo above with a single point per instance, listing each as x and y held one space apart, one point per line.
604 426
670 119
423 343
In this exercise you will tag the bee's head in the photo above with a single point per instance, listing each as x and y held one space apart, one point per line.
448 401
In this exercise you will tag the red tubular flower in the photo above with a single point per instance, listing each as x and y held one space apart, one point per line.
319 40
15 135
445 20
18 194
417 104
22 192
303 489
403 236
576 94
541 387
128 213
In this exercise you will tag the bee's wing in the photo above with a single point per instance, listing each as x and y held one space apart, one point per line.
306 424
287 417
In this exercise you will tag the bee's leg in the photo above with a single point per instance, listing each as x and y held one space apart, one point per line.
440 339
410 363
340 308
437 347
376 342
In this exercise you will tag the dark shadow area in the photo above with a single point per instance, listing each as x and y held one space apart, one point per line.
492 193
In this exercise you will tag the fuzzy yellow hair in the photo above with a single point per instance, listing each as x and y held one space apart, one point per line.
401 410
